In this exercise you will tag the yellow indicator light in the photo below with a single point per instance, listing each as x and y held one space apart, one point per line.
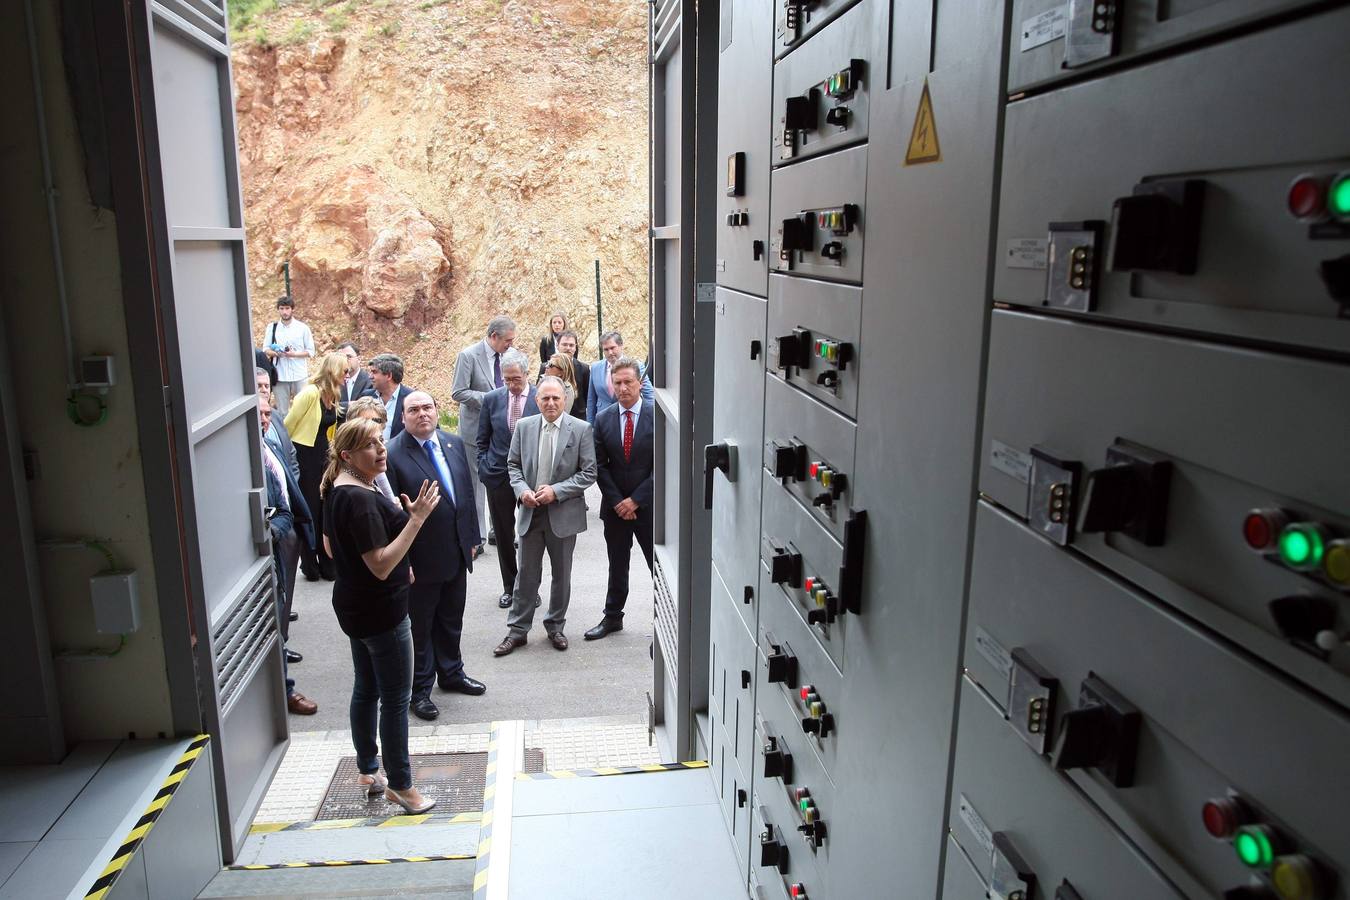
1295 878
1336 563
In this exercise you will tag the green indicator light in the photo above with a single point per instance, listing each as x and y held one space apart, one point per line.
1254 848
804 804
1338 199
1301 546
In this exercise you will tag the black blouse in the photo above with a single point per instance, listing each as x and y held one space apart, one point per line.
357 521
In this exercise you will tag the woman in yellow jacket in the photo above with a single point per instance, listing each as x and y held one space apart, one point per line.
311 421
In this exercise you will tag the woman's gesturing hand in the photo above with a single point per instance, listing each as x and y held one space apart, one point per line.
427 497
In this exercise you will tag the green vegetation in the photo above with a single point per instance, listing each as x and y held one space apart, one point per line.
336 19
388 29
243 14
299 33
449 422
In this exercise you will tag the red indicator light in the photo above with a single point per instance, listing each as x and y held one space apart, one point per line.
810 583
1223 816
1307 199
798 892
806 691
1261 528
815 467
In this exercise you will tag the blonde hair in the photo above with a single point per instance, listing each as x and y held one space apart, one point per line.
557 314
364 405
564 362
350 437
330 377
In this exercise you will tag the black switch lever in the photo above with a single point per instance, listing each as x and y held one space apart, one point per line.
717 456
1102 734
837 115
1157 228
797 235
785 565
772 852
851 571
781 666
799 113
777 761
794 350
1129 495
788 460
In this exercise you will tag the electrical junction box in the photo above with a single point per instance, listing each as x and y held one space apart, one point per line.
116 598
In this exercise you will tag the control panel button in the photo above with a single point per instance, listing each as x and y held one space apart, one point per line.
1101 734
1222 816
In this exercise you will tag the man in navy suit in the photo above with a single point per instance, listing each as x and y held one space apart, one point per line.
386 377
497 416
442 553
299 543
600 392
624 441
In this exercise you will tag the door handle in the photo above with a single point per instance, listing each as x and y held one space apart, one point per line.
717 456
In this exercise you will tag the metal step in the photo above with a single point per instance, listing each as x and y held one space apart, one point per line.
447 880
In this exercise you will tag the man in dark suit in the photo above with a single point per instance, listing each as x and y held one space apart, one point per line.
624 441
600 393
357 383
497 416
282 523
441 555
567 343
386 377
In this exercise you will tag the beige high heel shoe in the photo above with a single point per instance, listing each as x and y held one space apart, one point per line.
375 786
393 796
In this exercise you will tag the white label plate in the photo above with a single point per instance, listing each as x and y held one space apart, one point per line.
1027 253
1046 27
1010 461
976 825
992 650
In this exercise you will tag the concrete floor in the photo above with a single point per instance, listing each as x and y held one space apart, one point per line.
609 677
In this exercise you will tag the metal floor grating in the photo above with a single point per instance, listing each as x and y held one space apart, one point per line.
454 780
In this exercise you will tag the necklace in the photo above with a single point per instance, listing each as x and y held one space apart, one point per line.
368 482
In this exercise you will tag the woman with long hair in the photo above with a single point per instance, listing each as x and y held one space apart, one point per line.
548 344
560 365
368 538
310 421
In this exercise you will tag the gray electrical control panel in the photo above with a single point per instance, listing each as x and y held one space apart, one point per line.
743 92
1050 599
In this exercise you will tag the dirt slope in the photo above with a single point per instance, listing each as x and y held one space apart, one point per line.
424 165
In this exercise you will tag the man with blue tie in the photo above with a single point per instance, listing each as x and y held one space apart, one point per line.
441 555
600 392
478 369
624 441
500 411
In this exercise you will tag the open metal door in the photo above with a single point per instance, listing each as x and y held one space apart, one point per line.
171 130
683 91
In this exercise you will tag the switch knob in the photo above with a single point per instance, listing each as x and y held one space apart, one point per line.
837 116
782 667
794 350
799 113
797 234
833 250
788 460
785 566
1129 495
1336 276
1302 617
717 456
1102 734
828 379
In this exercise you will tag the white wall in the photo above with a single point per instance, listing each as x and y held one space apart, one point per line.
90 482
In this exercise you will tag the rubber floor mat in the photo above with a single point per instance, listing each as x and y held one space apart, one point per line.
454 780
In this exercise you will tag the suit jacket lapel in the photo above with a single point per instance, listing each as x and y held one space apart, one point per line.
559 443
418 453
450 463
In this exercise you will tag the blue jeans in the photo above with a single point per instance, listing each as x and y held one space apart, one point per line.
383 688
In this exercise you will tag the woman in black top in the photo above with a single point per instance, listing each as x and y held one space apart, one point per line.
368 538
548 344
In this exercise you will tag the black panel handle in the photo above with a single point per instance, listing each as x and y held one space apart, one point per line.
851 572
715 456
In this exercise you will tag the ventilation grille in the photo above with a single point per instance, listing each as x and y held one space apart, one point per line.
206 17
665 29
667 619
242 637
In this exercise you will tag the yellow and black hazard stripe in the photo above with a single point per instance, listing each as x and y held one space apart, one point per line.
103 884
559 774
480 875
377 822
336 863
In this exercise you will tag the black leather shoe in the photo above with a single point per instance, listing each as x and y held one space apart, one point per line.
311 574
477 551
293 657
492 540
463 685
423 708
605 627
294 616
504 601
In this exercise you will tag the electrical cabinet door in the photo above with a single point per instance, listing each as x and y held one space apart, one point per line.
829 317
1213 724
1187 228
1012 816
732 679
734 794
797 20
820 92
1053 40
738 432
1233 428
817 221
745 69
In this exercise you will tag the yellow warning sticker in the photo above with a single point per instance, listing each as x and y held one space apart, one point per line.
923 140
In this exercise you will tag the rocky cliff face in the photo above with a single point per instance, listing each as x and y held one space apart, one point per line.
426 165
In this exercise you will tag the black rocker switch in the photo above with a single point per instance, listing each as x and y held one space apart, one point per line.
777 762
1157 228
799 113
797 234
772 852
1102 734
794 350
788 460
785 566
1129 494
782 667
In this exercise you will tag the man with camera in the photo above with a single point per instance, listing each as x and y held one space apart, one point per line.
289 343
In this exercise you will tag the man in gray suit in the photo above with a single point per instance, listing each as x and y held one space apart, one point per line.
551 463
478 369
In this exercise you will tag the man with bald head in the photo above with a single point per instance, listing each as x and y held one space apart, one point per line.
442 553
